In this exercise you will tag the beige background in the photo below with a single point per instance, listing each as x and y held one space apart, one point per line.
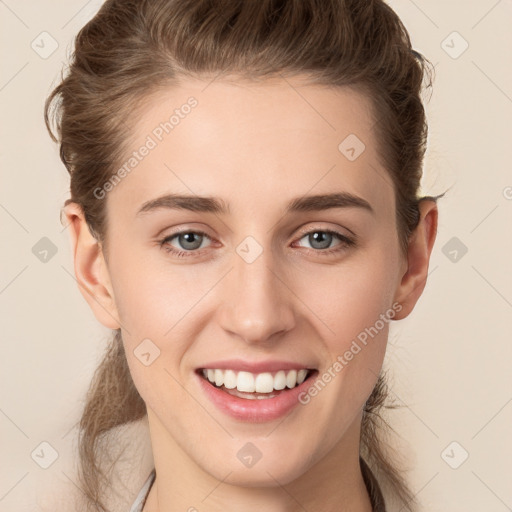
450 360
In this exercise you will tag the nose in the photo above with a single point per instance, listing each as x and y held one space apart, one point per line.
257 304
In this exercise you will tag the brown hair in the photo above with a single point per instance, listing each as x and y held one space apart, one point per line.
133 48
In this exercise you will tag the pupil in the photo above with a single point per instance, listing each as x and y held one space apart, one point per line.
185 237
322 237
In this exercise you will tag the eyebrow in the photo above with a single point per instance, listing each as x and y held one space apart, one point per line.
216 205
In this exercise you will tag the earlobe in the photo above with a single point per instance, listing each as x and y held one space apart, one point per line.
91 271
418 256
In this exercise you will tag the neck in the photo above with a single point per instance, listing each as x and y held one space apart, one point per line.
333 483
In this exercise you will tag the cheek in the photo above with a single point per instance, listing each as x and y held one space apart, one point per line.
354 306
155 304
350 298
153 295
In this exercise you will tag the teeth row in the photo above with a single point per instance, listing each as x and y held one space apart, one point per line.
247 382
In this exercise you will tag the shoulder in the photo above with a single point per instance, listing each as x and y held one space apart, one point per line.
130 447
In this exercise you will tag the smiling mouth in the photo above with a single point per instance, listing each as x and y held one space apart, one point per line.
255 386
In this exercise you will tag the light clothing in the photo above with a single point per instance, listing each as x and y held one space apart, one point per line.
139 502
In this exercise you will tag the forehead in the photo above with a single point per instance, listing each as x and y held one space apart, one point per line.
245 141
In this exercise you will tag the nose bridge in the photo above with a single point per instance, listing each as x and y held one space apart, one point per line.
257 303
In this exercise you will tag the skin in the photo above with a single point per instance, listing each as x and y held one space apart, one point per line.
256 146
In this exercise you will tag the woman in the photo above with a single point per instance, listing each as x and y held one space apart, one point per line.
245 214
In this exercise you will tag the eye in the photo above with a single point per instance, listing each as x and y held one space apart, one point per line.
191 241
321 239
188 240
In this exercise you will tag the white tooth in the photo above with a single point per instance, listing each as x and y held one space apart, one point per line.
291 378
230 379
280 380
245 382
219 377
264 383
301 376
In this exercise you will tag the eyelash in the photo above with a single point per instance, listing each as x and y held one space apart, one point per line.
345 242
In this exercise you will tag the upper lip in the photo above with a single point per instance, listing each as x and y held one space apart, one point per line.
255 367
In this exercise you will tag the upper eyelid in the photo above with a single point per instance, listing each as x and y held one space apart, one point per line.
301 230
337 231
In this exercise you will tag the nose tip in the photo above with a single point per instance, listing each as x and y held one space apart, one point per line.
258 304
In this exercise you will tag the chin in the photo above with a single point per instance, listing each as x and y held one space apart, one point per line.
274 472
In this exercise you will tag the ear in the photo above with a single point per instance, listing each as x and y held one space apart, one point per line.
90 268
418 257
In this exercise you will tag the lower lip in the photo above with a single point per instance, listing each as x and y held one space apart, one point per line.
257 410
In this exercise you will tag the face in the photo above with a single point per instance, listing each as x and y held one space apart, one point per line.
255 286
